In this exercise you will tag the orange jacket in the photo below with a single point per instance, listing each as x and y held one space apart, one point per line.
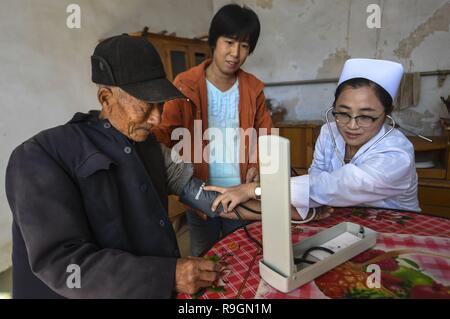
182 113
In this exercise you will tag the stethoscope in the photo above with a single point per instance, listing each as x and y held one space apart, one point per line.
336 150
341 157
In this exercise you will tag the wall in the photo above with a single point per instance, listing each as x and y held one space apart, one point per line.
45 67
311 39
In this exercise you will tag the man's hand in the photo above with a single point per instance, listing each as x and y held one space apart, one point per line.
252 175
233 196
193 273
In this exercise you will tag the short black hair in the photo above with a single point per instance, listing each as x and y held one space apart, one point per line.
236 22
383 96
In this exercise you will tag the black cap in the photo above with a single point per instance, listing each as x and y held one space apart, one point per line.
134 65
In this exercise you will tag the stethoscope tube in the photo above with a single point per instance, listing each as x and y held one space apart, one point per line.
340 156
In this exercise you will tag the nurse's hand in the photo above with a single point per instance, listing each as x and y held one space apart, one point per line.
193 273
233 196
323 212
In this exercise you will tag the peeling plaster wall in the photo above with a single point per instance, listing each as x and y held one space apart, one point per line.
311 39
45 67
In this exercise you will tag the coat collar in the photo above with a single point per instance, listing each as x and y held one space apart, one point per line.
369 144
91 157
192 83
92 118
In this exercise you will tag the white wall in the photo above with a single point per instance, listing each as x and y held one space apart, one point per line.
311 39
45 67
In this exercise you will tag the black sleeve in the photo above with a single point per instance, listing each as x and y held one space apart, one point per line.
178 172
196 197
48 209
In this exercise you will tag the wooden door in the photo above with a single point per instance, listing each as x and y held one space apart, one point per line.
178 56
198 53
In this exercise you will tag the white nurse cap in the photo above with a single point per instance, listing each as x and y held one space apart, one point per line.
386 74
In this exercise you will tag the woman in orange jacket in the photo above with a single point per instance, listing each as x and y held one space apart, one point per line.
221 100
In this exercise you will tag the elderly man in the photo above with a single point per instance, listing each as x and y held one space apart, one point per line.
89 198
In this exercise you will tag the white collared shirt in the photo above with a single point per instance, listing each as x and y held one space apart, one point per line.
380 176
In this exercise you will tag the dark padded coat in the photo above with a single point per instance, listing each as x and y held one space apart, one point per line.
80 194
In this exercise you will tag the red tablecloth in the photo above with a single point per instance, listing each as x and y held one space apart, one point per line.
418 263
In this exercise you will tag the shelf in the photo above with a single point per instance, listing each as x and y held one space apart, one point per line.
438 173
434 197
299 124
420 145
434 183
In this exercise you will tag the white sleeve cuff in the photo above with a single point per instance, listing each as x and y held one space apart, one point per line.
303 212
300 194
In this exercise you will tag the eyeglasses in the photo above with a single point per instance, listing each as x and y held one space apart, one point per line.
343 118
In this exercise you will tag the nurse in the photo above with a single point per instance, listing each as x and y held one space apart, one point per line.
359 159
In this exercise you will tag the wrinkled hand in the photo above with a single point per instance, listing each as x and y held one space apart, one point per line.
252 175
193 273
233 196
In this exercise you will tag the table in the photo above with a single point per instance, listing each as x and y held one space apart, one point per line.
412 251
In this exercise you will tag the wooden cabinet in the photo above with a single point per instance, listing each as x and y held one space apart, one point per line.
434 197
434 182
177 54
302 136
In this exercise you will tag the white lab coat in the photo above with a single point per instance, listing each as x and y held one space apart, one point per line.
383 176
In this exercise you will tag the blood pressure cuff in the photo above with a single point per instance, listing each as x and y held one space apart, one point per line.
196 197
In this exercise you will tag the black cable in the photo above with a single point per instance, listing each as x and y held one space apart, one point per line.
246 230
303 261
237 214
296 260
308 251
250 209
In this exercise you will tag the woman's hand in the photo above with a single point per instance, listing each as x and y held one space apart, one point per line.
323 212
233 196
